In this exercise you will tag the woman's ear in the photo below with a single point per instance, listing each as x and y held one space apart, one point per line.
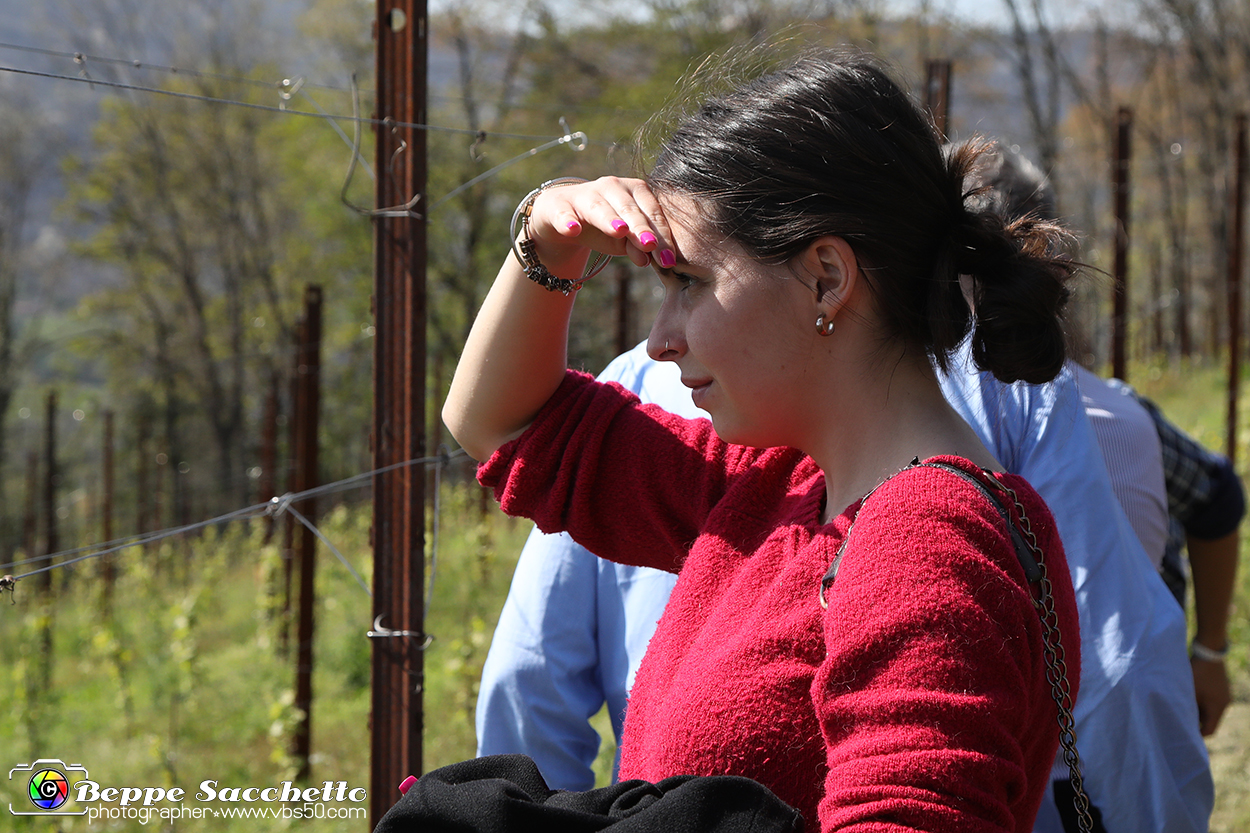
832 262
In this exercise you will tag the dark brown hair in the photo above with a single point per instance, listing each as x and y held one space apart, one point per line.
831 145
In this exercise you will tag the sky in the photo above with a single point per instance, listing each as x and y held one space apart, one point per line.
977 12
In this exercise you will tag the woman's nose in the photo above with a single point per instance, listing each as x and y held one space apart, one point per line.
663 344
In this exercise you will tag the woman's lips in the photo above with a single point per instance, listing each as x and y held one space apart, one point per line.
698 390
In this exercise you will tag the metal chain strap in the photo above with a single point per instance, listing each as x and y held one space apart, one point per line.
1056 670
1052 644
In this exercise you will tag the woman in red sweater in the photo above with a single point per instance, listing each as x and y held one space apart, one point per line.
810 235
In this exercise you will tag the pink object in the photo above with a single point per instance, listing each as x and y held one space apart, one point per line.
667 259
619 225
407 784
573 225
646 238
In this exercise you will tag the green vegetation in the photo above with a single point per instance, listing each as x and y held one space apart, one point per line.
187 682
1194 396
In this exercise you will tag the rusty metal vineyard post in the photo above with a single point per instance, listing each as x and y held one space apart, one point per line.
294 442
937 90
51 541
305 458
1120 194
267 483
1236 217
398 435
143 490
30 511
107 567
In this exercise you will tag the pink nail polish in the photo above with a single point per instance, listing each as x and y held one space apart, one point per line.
573 225
667 259
646 238
407 784
619 225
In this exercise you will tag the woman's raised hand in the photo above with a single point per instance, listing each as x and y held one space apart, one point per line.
515 356
612 215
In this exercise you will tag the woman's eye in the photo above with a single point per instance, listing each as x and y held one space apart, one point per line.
682 280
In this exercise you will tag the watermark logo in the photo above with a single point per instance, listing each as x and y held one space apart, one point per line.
48 787
52 787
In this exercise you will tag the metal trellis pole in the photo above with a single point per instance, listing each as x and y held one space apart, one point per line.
399 402
143 502
309 375
938 93
30 512
51 541
107 566
1237 192
267 483
294 443
1120 190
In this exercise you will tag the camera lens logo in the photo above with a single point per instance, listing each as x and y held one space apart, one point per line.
48 784
48 789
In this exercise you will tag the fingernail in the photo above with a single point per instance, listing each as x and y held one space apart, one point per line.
646 238
619 225
573 225
667 259
407 784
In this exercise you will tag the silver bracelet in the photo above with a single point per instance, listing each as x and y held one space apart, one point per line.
1199 651
523 245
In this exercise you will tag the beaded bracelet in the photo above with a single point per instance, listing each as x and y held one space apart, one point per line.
1199 651
523 245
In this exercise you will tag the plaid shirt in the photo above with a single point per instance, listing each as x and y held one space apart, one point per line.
1205 496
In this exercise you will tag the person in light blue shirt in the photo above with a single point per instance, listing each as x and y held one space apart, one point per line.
574 627
1146 766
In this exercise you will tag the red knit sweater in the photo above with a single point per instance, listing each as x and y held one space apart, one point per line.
917 701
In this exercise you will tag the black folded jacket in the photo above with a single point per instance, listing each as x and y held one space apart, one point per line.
507 794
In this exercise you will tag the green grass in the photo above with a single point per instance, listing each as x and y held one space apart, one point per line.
1195 397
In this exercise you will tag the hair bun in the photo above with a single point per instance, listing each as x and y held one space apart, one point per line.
1005 238
1020 294
980 243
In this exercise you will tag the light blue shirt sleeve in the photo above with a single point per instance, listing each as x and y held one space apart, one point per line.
573 629
1145 762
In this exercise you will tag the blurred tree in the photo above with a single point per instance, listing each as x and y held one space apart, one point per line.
28 146
207 211
1214 49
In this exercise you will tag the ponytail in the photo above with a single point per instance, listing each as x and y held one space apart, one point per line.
1017 261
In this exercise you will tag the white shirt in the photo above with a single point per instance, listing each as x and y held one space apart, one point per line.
1129 442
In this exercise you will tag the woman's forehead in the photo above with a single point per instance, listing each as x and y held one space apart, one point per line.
696 241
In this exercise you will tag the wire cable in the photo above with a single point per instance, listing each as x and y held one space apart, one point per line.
383 122
313 529
286 82
273 507
135 63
